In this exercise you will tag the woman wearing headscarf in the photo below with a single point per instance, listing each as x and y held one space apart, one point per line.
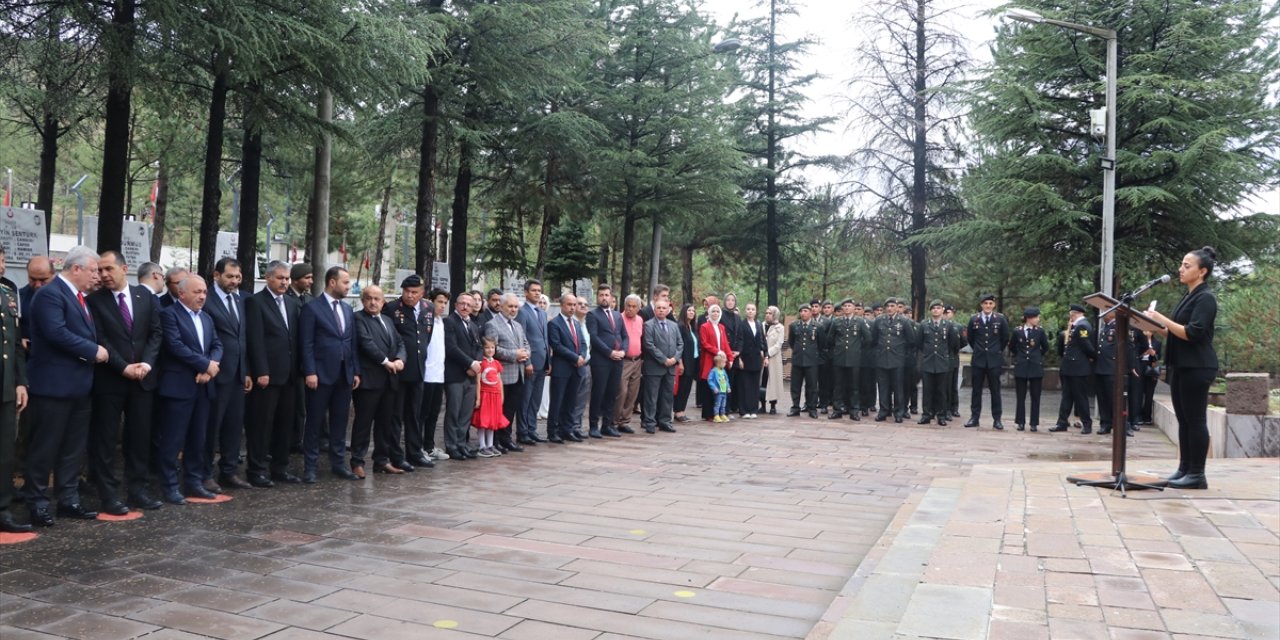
732 323
712 339
775 334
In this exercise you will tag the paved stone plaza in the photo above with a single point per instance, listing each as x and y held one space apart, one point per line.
749 530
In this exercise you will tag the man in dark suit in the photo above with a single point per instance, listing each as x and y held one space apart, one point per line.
190 358
660 292
64 349
988 335
461 365
414 320
381 354
301 278
271 338
663 348
128 325
568 353
1078 352
39 273
513 352
172 278
151 276
608 346
492 309
327 339
13 401
226 425
534 321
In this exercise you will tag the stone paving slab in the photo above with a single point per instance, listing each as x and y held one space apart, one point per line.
738 531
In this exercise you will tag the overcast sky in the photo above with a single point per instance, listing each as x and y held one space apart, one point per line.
830 22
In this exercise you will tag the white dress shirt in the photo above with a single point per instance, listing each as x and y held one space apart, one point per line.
433 371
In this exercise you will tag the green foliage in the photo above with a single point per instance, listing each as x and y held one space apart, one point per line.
570 256
1248 334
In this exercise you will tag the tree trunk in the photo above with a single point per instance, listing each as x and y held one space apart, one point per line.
161 212
211 194
424 232
375 275
461 201
686 272
48 169
920 162
602 274
628 243
115 135
773 256
550 214
318 212
250 185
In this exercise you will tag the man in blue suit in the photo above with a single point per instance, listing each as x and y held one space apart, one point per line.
189 361
64 349
608 346
327 335
226 425
534 321
568 354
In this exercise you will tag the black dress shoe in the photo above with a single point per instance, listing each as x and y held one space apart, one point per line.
997 425
835 415
114 508
196 491
622 428
286 477
404 466
688 419
942 422
75 512
9 525
1104 431
1189 481
595 433
344 473
823 411
880 417
537 438
511 446
610 432
573 436
650 430
470 453
173 496
40 517
1058 428
897 419
1034 428
419 460
972 423
813 414
141 500
955 414
925 420
1020 427
1086 431
262 482
309 476
795 411
555 439
666 428
1176 474
233 481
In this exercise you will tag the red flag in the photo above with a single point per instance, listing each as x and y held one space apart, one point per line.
294 254
366 260
344 250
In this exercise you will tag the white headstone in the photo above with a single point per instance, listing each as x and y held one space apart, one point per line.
22 234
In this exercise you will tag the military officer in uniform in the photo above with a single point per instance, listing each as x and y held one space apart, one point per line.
1104 371
988 336
867 367
953 383
937 340
826 373
911 372
803 339
890 334
1028 346
13 400
845 335
1078 352
301 277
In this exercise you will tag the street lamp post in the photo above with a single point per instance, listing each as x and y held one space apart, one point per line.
75 188
1108 162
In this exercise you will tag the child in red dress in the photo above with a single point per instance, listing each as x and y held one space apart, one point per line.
488 415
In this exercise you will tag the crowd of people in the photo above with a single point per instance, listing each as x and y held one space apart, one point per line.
181 388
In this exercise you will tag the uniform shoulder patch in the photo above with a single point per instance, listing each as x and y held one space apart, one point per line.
1084 333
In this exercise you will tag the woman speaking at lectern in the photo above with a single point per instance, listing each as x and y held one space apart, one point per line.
1192 365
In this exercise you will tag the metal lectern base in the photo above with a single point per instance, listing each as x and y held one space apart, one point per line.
1121 482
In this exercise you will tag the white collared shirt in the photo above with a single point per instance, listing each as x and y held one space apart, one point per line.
585 337
433 370
195 319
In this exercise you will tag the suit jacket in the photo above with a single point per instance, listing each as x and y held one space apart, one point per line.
1028 347
25 295
166 300
659 345
461 348
13 365
565 350
751 346
415 336
231 331
328 350
988 340
1197 311
125 347
377 340
534 320
510 337
272 346
485 316
64 343
690 339
1077 350
708 347
606 336
183 355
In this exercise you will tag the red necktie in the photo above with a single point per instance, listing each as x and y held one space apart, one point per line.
83 308
572 332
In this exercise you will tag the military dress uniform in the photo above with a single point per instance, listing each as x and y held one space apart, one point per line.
13 374
846 337
1027 347
805 359
911 372
1078 351
826 369
953 381
300 385
938 339
988 336
1104 371
890 335
867 373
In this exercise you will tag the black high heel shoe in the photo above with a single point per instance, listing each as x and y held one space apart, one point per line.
1189 481
1176 475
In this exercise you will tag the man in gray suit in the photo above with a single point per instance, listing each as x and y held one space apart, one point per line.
663 349
513 353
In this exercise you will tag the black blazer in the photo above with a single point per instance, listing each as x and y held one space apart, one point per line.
1028 346
272 347
461 348
231 331
751 347
374 343
415 337
123 347
606 336
1079 352
1197 311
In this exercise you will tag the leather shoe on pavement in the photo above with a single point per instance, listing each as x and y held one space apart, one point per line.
114 508
143 501
9 525
625 429
404 466
555 439
997 425
262 482
76 512
200 492
211 486
40 517
234 482
286 477
309 476
666 428
387 468
173 496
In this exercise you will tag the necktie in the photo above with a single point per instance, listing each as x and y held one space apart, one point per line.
337 313
386 328
283 315
83 308
124 311
231 306
572 333
662 324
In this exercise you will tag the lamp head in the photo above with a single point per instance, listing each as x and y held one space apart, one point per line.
728 45
1024 15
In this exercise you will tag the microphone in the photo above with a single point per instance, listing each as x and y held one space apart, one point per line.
1161 280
